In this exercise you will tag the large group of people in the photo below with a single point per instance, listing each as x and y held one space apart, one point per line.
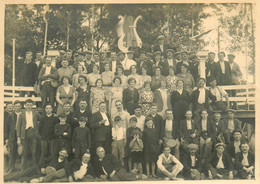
130 116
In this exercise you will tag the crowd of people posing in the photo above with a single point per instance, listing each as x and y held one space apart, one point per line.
126 118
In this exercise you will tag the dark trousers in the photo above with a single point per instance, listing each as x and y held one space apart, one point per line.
197 111
24 173
80 149
29 146
122 175
47 148
48 94
13 153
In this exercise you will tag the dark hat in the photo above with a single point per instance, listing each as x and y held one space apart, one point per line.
120 53
82 118
202 79
184 51
236 130
220 144
76 54
88 52
62 52
96 53
231 110
231 55
177 53
81 53
211 79
130 51
160 37
137 132
170 50
217 111
193 146
157 52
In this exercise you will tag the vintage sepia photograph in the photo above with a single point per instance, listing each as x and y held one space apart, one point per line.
105 92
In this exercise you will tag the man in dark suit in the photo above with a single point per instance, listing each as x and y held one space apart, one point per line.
114 63
192 163
168 61
12 135
185 60
206 134
231 124
48 80
161 45
189 130
245 162
80 169
201 98
28 74
220 165
8 127
223 71
107 167
27 132
101 128
218 127
144 62
210 66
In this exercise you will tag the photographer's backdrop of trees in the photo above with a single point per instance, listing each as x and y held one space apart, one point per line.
214 27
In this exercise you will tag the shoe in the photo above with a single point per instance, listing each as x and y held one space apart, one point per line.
177 179
144 177
154 176
167 178
134 171
36 180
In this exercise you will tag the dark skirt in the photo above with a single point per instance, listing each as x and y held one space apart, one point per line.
137 156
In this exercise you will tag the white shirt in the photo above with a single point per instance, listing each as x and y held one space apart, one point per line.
193 160
82 63
220 164
222 64
81 172
236 145
118 133
231 125
114 66
218 92
204 124
189 124
127 63
245 160
161 47
17 115
168 125
166 161
170 62
104 116
201 99
48 70
29 119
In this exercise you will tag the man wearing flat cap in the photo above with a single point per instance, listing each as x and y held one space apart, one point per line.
192 163
169 61
236 76
231 124
88 61
219 93
128 62
144 62
235 70
161 45
80 62
210 66
185 60
218 127
220 165
201 99
234 146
